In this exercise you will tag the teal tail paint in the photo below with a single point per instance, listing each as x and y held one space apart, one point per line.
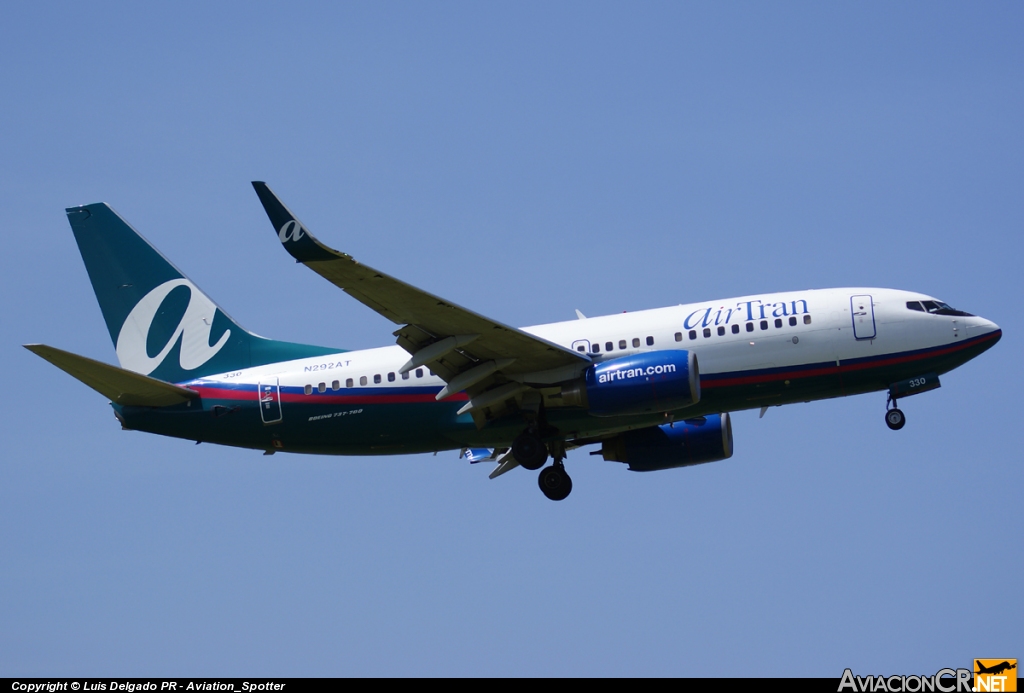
161 324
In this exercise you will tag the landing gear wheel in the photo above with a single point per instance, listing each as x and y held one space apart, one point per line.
529 451
895 419
555 483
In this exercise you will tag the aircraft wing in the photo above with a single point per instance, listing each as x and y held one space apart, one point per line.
467 350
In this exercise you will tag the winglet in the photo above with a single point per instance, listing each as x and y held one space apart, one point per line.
295 238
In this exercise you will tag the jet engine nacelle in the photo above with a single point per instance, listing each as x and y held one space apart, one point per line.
678 444
655 381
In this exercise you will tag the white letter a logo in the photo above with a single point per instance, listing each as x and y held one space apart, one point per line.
290 231
194 330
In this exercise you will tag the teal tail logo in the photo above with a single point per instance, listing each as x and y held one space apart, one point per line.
161 324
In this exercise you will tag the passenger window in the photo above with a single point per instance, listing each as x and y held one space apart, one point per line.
622 343
597 348
309 389
376 379
609 346
362 380
391 377
650 341
721 330
636 340
778 322
707 332
419 372
764 324
350 383
582 349
336 385
735 329
750 327
322 387
807 319
405 376
792 321
693 334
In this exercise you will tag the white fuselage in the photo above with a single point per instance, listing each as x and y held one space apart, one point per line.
825 330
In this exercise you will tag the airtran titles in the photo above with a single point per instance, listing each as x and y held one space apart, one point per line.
744 311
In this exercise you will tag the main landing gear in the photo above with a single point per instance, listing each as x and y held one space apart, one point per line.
894 417
554 482
529 450
531 453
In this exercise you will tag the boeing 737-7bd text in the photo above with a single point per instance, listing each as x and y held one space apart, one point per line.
653 388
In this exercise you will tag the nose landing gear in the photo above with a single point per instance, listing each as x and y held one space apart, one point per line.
894 417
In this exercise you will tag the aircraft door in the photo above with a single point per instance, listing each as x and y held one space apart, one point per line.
863 313
270 401
582 346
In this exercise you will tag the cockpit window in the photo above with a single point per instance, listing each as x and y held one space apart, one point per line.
915 305
938 308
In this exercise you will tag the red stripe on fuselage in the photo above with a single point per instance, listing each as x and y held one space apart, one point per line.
318 398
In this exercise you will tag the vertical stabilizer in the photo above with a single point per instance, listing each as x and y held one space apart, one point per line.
161 324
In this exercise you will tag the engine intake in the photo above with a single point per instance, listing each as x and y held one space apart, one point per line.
678 444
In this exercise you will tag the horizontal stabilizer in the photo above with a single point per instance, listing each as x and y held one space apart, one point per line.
119 385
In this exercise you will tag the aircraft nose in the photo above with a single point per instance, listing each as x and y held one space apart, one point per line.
981 326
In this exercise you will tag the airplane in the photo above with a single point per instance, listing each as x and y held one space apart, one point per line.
996 668
652 388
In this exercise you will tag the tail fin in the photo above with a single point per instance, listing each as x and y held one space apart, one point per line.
161 324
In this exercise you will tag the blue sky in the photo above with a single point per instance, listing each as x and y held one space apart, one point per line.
523 160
